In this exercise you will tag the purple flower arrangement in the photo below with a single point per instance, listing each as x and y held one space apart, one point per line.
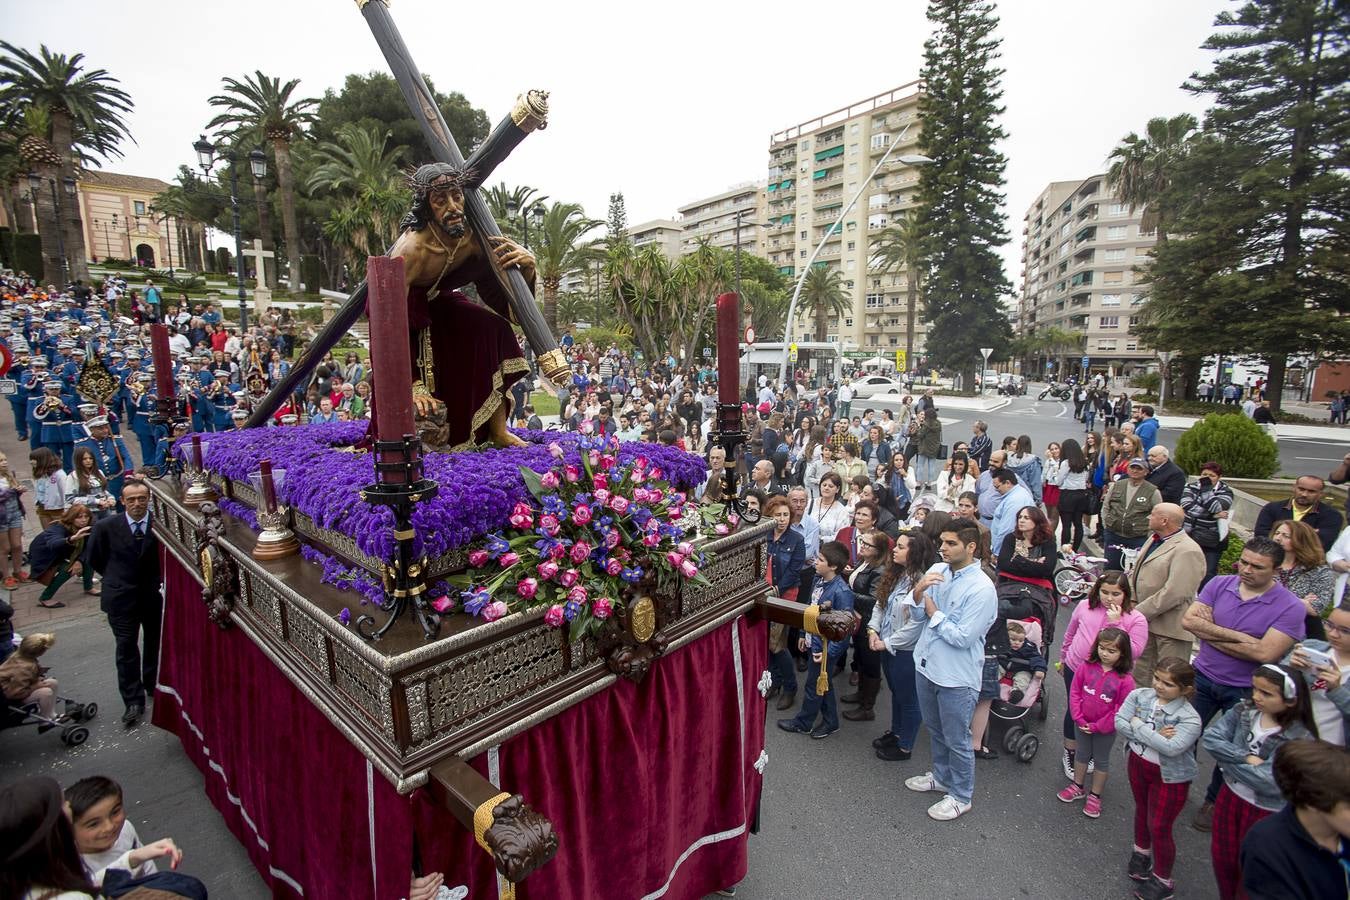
478 490
599 519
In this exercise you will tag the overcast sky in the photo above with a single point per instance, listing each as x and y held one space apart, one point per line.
665 102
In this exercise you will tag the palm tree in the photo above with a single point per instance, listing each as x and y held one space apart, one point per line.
639 280
559 251
768 306
824 295
697 279
900 247
83 110
262 106
1142 168
363 173
509 206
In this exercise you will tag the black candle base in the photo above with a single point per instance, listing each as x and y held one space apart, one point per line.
730 435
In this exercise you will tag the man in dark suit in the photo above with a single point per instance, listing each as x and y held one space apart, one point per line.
125 552
1165 475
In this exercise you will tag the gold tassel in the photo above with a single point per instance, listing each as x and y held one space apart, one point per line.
823 679
482 821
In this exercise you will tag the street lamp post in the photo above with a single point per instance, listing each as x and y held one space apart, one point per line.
1166 357
258 165
537 210
909 159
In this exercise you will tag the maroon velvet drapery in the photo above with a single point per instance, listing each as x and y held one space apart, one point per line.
651 787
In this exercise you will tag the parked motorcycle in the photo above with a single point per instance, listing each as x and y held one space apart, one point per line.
1057 391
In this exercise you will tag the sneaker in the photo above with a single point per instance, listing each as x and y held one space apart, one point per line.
1093 807
1154 889
1067 761
885 739
1071 793
948 808
1140 867
892 752
924 782
822 732
1204 817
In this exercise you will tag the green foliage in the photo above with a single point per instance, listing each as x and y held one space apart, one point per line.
824 295
1229 557
617 227
85 106
1149 381
311 272
603 337
223 260
1236 442
960 191
28 254
181 280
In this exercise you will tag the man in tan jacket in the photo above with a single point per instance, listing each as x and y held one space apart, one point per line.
1165 580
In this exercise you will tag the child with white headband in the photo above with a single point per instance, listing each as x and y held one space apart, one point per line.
1243 742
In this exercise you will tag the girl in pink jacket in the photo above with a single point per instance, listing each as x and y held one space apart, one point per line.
1100 686
1108 605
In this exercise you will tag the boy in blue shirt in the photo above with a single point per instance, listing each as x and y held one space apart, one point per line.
830 591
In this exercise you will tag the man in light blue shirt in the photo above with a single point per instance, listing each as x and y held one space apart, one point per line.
984 488
958 603
1013 497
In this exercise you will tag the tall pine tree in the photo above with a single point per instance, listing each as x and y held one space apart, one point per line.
1266 213
617 226
959 192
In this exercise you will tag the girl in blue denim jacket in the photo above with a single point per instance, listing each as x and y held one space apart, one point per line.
1161 728
1243 742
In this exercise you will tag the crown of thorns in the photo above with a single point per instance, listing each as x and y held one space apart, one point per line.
439 177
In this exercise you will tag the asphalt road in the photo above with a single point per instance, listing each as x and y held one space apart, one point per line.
1047 420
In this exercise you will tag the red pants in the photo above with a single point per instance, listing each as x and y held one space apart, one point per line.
1233 818
1156 806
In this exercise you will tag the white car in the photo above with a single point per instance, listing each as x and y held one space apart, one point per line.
877 385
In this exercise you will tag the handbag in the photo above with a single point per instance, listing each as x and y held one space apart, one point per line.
942 451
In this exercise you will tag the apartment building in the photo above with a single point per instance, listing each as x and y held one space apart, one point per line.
714 219
815 168
1080 247
665 233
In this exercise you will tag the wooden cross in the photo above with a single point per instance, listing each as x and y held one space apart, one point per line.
258 254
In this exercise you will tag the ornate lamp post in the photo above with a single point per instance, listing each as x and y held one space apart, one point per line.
537 211
258 164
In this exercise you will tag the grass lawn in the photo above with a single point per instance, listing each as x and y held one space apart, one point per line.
544 403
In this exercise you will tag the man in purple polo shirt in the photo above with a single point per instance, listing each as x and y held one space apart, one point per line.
1243 621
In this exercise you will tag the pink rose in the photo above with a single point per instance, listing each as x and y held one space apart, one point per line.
548 569
602 496
593 457
478 558
508 559
527 588
608 462
587 427
557 552
581 514
733 520
686 548
599 481
641 495
638 476
622 554
550 524
656 494
602 607
554 617
493 611
679 497
674 559
442 605
676 512
580 551
556 450
641 464
549 480
654 474
611 539
688 569
651 539
619 504
613 567
568 577
572 474
522 516
719 528
577 594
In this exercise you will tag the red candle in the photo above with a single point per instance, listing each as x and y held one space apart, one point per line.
269 487
728 348
387 310
162 359
197 451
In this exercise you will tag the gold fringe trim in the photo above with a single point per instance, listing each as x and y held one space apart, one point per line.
495 398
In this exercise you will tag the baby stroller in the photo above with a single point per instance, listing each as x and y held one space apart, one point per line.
1017 738
73 733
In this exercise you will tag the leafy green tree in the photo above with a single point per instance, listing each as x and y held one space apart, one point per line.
617 227
639 279
360 171
80 120
1143 168
559 251
900 249
824 295
263 106
960 191
373 100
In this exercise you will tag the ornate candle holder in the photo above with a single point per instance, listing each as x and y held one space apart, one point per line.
275 540
399 485
199 479
730 435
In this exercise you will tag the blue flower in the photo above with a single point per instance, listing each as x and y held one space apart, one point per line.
496 545
475 599
553 504
640 515
570 610
633 575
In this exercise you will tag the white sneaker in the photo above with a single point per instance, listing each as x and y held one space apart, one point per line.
948 808
924 782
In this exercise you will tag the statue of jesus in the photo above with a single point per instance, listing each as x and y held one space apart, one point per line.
465 354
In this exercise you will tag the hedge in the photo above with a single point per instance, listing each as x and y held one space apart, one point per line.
1234 441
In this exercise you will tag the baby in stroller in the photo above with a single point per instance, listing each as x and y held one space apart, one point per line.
30 695
1022 680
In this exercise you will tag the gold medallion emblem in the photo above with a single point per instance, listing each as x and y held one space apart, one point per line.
642 619
206 565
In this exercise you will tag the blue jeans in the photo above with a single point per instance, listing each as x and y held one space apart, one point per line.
1211 699
926 469
783 670
813 703
947 712
905 717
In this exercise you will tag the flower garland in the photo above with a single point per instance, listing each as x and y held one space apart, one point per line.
596 523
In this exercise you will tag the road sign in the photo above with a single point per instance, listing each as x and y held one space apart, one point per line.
900 360
707 351
1086 360
792 351
749 334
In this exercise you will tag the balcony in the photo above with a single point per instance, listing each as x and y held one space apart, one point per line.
827 198
1080 279
1085 234
1078 320
1087 212
1080 298
1084 255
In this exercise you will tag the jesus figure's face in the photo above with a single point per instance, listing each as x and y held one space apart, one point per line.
447 206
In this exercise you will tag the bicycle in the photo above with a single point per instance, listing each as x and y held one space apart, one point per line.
1076 575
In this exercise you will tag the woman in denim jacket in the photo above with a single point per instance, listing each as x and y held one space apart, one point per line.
1160 727
891 629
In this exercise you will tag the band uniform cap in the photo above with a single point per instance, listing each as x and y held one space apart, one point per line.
97 422
51 385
